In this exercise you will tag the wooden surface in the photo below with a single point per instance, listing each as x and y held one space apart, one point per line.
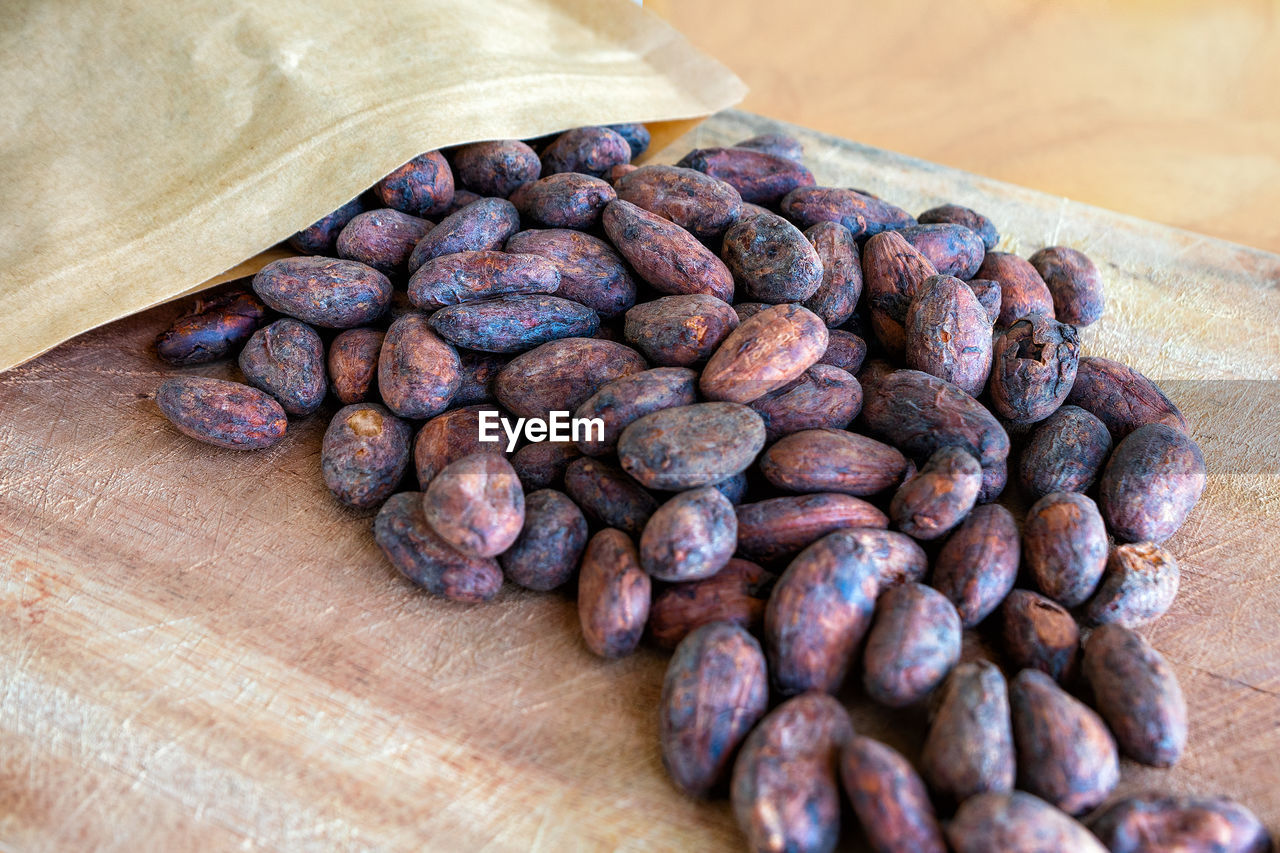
200 649
1165 110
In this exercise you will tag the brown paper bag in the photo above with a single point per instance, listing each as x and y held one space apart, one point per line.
145 148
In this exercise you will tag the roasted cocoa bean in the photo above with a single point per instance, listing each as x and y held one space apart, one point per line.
937 498
353 364
777 144
913 643
1064 546
1017 822
591 272
698 203
636 134
587 150
1022 290
690 537
832 460
779 528
824 397
785 794
496 168
608 495
978 565
212 329
947 334
889 799
1040 634
1074 282
511 324
328 292
481 226
364 453
1065 454
714 692
1151 483
690 446
383 239
1065 753
319 237
679 331
226 414
286 359
1136 692
736 594
1154 823
550 544
417 551
565 200
953 250
562 375
468 276
862 213
631 397
1032 368
447 438
476 504
1121 397
988 293
664 254
845 350
765 352
422 187
1138 586
418 373
613 595
837 295
969 748
759 177
891 272
542 464
771 260
974 221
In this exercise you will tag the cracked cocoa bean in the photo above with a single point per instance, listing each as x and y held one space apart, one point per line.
1137 693
496 168
421 187
565 200
212 329
889 799
481 226
771 260
974 221
938 497
863 214
418 373
698 203
690 537
1065 454
1074 282
286 359
1039 633
891 271
1017 822
628 398
736 594
679 331
550 545
1064 546
562 374
383 239
417 552
953 250
664 254
1022 290
613 595
586 150
947 334
225 414
1033 366
1138 586
591 272
1156 823
837 295
327 292
766 351
1121 397
608 495
759 177
353 364
978 564
714 692
364 454
779 528
969 747
1151 483
832 460
690 446
914 641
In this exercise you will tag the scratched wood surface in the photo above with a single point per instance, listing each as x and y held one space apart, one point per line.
200 650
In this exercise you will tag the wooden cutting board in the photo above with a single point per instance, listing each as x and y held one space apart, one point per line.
200 649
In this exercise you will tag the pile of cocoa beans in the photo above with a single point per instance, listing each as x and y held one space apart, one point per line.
800 404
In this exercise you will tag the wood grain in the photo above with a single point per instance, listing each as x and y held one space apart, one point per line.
202 650
1164 110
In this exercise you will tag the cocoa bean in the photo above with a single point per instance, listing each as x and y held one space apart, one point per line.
771 260
481 226
969 748
1040 634
953 250
994 479
550 544
225 414
690 446
383 239
562 374
978 565
832 460
664 254
417 551
785 794
889 799
698 203
608 495
212 329
714 692
938 497
1065 454
974 221
765 352
862 213
327 292
591 272
845 350
733 487
913 643
1136 692
892 270
823 397
353 364
364 453
1121 397
1033 366
511 324
565 200
468 276
736 594
837 295
690 537
1022 290
418 373
1074 282
636 134
779 528
679 331
1066 756
496 168
777 144
542 464
919 414
422 187
476 504
613 595
319 237
1151 483
1017 822
947 334
989 296
1155 823
759 177
1064 546
447 438
1138 586
478 371
588 150
286 359
629 398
